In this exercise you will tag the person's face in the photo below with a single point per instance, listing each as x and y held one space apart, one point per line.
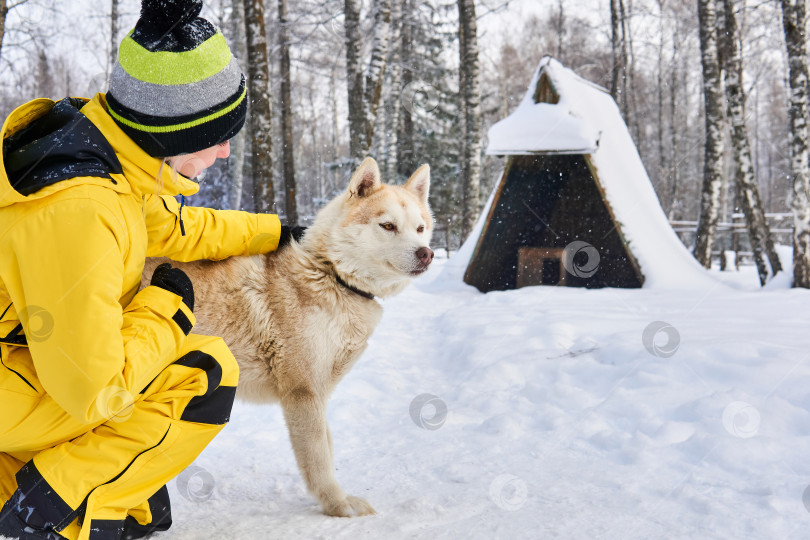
191 165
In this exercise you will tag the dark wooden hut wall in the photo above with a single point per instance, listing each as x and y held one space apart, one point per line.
548 201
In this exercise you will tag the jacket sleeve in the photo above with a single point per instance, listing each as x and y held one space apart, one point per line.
91 355
209 234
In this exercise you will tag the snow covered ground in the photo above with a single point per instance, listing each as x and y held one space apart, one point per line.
555 413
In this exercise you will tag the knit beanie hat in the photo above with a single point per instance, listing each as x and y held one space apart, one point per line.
176 88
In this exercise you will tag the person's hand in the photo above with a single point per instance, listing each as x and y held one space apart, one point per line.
290 233
176 281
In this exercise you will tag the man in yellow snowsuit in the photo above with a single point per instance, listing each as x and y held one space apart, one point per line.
105 395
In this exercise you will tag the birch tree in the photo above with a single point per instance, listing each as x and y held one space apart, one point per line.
114 20
406 162
747 191
364 90
3 13
619 55
470 95
5 8
660 124
714 125
794 22
392 108
236 161
677 107
44 78
287 150
260 108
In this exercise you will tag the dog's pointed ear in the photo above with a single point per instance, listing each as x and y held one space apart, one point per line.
366 179
419 182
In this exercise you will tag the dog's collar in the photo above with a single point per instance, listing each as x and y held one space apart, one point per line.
352 288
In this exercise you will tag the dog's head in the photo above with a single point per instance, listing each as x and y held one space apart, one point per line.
376 235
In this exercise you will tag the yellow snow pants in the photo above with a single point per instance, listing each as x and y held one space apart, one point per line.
88 478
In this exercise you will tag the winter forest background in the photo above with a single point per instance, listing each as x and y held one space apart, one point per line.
391 70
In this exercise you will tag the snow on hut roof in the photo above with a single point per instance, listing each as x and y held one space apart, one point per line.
551 124
537 128
585 116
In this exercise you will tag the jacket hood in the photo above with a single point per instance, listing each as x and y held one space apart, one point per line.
48 146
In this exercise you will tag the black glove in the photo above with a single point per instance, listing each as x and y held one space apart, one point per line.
176 281
290 233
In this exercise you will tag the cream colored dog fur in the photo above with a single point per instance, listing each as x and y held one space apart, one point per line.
295 330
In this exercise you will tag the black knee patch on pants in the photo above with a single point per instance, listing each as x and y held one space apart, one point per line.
37 493
161 510
213 407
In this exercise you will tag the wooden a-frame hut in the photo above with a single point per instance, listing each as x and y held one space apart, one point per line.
574 206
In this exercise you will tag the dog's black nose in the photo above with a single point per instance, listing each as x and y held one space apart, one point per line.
425 255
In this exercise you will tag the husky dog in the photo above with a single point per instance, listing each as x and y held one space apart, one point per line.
297 319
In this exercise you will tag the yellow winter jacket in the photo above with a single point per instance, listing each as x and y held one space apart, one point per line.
73 239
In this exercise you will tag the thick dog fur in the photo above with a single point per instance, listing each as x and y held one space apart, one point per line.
295 330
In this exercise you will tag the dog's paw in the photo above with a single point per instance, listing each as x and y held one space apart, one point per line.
349 507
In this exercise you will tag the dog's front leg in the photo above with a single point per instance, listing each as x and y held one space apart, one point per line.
305 414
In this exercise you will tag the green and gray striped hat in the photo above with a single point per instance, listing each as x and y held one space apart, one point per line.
176 87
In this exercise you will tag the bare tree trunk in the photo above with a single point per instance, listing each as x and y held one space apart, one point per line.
114 19
364 92
713 154
236 169
794 21
747 190
287 150
471 112
3 13
376 68
354 78
391 124
406 163
392 110
236 161
662 158
335 130
308 112
631 100
260 106
44 78
618 45
559 27
673 128
463 165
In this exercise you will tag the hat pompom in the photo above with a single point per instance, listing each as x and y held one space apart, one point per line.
183 102
172 25
163 15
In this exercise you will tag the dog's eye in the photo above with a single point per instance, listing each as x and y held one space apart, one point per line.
388 226
420 229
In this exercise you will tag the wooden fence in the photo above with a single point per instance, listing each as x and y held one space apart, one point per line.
733 235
